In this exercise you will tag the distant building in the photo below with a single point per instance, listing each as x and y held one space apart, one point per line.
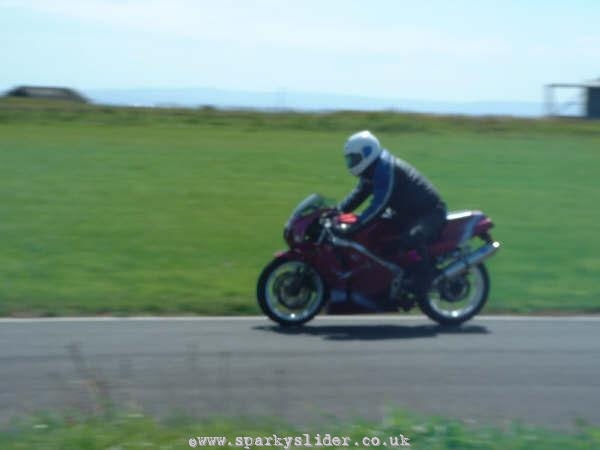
46 92
587 98
593 100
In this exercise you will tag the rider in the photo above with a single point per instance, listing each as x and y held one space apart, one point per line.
399 189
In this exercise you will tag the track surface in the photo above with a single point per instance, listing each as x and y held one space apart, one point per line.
540 370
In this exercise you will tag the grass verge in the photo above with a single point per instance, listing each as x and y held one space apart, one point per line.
137 431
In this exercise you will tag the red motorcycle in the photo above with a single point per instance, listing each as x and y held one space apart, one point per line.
364 274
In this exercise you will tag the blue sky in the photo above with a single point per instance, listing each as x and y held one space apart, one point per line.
431 50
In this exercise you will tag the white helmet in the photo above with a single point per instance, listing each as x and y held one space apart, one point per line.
360 151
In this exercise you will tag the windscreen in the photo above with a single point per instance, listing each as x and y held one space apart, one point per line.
310 204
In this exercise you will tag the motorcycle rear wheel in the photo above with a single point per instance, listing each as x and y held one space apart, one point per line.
290 292
458 300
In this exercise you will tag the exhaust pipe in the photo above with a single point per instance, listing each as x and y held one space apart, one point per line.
464 264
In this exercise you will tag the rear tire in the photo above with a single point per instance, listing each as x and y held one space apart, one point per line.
475 283
290 292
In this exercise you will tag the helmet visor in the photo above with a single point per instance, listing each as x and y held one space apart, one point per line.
352 159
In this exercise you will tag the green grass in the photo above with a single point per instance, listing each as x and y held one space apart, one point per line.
122 211
135 431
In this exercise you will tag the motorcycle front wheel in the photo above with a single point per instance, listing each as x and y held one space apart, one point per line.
290 292
459 299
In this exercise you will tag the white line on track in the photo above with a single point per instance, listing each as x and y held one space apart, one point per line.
371 317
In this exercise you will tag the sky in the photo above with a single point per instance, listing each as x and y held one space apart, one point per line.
430 50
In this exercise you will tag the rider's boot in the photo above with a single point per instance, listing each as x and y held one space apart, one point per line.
423 273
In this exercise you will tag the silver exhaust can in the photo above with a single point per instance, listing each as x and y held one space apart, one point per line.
463 264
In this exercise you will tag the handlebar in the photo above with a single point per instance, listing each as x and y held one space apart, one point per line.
330 222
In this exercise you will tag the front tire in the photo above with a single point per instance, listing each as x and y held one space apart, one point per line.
455 301
290 292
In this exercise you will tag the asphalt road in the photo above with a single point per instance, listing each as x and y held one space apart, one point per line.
539 370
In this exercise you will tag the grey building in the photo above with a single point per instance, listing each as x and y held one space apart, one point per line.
47 92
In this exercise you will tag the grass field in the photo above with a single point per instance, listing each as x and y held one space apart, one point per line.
134 431
106 210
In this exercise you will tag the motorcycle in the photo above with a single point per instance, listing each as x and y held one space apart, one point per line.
367 274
